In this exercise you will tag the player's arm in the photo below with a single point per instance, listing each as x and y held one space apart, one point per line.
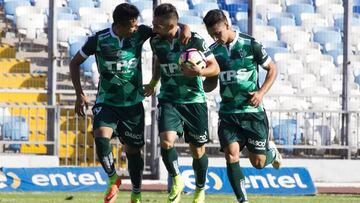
212 68
81 100
185 34
262 58
210 83
150 88
79 58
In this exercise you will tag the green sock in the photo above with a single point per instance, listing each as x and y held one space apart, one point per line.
105 155
237 180
136 167
170 159
200 167
270 156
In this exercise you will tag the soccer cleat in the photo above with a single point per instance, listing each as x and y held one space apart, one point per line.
199 196
176 189
135 198
111 192
278 158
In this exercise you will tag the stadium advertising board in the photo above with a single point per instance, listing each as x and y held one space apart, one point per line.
52 179
286 181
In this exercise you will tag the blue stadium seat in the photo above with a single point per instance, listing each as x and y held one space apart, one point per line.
279 22
195 20
75 5
290 2
279 15
243 24
286 132
274 44
274 50
298 9
356 9
323 37
356 2
339 22
87 66
234 8
11 5
203 8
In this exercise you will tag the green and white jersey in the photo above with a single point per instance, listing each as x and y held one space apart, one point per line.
239 72
119 65
175 87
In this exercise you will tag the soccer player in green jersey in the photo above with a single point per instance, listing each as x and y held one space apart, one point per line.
118 111
182 105
243 121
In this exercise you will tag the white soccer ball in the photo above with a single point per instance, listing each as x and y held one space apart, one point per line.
193 59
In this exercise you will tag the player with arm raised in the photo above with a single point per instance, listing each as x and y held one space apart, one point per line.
118 110
243 121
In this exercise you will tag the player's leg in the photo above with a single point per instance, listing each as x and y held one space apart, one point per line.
103 126
230 137
170 125
234 172
131 131
200 165
195 117
261 151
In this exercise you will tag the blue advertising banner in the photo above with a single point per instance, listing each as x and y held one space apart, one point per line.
286 181
52 179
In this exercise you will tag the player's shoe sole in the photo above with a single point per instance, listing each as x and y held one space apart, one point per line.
278 158
111 195
176 190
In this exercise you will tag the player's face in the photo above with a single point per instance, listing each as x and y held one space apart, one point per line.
128 29
162 26
219 32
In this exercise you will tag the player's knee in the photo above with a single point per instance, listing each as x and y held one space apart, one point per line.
166 144
258 163
231 158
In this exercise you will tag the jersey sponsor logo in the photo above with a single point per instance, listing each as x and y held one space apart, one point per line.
259 145
133 135
171 69
233 76
201 138
123 66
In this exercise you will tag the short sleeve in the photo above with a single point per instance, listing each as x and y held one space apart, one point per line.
260 54
146 32
200 44
89 48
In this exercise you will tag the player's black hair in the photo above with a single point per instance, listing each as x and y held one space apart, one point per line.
124 13
166 10
213 17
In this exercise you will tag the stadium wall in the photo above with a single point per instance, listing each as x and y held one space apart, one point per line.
321 170
28 161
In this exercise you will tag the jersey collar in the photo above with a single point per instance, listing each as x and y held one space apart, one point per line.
231 45
115 36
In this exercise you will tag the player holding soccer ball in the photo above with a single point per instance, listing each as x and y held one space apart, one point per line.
243 121
118 111
182 105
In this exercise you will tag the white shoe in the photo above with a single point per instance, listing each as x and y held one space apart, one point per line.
278 158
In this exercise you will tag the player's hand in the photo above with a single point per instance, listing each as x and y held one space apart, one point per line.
148 90
256 98
185 36
81 104
190 72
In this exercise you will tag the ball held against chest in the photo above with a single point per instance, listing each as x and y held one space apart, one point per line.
193 59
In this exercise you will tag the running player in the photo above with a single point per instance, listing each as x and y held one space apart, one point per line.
243 121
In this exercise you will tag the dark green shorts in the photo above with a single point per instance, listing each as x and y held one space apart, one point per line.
127 122
188 119
250 129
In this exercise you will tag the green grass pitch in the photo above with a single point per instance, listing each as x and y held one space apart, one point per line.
160 197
